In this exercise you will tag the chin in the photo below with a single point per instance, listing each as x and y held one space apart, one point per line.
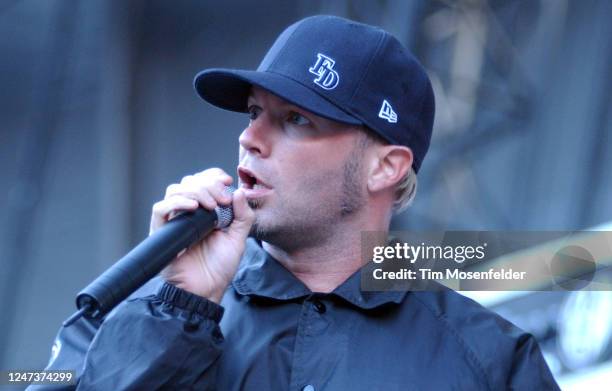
266 228
264 234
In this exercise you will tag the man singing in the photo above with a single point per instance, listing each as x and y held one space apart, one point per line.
340 120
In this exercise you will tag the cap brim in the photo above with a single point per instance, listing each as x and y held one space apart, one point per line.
229 89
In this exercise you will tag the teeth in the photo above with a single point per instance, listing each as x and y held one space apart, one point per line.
246 184
258 186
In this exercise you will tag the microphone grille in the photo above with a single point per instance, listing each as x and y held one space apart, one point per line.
225 214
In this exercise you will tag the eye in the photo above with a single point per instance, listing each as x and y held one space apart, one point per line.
254 112
297 119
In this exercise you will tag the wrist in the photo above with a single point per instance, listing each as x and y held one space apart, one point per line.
213 294
190 302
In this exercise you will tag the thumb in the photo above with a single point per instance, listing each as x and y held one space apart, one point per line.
243 216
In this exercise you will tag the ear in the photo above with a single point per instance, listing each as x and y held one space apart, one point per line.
392 163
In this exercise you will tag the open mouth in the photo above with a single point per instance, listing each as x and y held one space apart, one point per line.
249 180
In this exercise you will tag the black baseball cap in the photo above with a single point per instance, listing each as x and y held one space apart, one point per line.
341 70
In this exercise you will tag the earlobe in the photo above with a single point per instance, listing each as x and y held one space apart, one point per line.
392 163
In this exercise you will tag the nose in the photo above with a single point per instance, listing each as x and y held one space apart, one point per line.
256 138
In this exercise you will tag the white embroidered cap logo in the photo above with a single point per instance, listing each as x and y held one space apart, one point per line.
327 78
386 112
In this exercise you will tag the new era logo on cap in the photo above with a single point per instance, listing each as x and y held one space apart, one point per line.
386 112
327 78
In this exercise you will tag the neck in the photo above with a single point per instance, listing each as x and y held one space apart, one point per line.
322 268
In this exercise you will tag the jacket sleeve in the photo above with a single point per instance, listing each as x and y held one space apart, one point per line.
169 340
529 370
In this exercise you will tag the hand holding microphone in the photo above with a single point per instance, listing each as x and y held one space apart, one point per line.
207 258
206 268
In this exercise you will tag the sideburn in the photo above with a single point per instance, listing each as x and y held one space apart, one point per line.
353 197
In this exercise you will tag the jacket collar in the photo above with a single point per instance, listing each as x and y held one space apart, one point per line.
261 275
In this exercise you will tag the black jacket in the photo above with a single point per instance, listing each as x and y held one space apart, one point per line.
277 335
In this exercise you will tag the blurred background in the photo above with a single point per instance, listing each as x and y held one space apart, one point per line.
98 115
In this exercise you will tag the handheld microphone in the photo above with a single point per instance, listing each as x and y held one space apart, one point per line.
147 259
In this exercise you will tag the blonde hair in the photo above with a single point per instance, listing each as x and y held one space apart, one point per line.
405 192
406 188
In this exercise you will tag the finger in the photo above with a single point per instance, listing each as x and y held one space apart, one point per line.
163 209
172 189
219 192
215 180
216 173
199 194
243 215
212 181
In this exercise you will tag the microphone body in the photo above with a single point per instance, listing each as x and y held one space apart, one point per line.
147 259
